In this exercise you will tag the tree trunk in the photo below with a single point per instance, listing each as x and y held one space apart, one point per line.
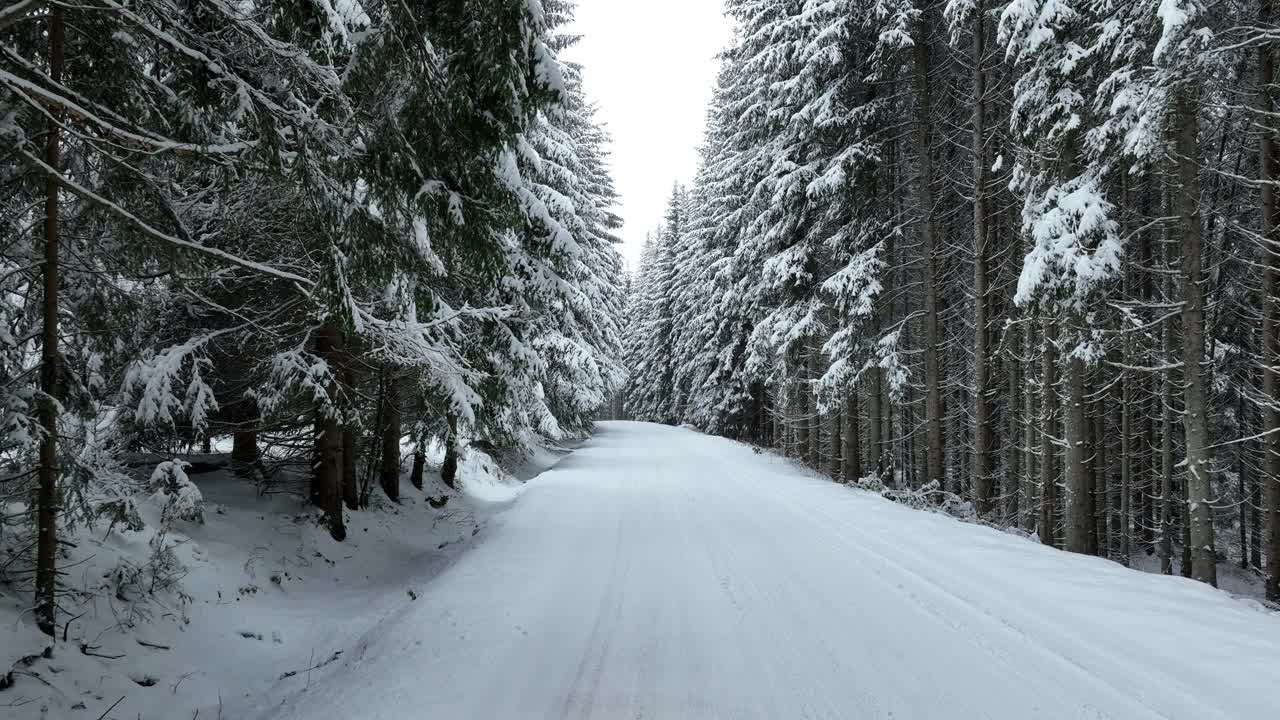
1242 478
800 420
1076 472
1029 430
933 450
1100 541
47 502
244 446
1048 428
815 417
419 465
449 471
351 495
1199 460
389 467
350 477
1269 343
1166 457
1126 457
982 434
852 438
839 433
327 481
1146 484
875 424
1014 489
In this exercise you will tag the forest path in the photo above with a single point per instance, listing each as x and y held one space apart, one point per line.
660 573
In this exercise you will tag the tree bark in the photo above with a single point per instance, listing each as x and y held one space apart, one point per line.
419 465
47 501
1146 486
852 438
1199 456
350 477
1166 456
982 432
1270 340
921 55
815 417
1029 430
449 471
244 448
1126 456
389 467
1048 428
1014 488
839 435
875 423
1102 489
351 495
1076 472
327 482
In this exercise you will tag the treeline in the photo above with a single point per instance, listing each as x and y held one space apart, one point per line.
1023 252
320 228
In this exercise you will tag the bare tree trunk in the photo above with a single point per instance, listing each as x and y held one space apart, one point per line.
1146 485
1199 460
350 477
1166 457
1079 517
244 442
1014 487
389 467
327 482
47 501
1097 478
1269 343
449 471
839 436
1048 428
800 421
982 434
1029 431
1126 456
1242 477
933 450
875 424
419 466
815 417
852 439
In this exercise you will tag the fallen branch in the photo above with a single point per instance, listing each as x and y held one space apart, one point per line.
113 707
317 666
88 649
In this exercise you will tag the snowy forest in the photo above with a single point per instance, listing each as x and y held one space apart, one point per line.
312 230
1018 256
336 381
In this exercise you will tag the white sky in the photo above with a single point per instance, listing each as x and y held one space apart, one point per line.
651 67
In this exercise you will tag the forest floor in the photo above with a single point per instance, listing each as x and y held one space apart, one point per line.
654 573
262 604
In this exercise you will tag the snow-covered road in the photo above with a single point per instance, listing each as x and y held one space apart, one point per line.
659 573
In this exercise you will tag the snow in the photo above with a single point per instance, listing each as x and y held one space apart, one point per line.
659 572
216 616
654 572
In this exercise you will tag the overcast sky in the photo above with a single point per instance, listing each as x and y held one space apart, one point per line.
651 67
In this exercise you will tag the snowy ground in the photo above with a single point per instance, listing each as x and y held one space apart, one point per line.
265 595
659 573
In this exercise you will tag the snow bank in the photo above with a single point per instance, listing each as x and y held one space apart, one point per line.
254 600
